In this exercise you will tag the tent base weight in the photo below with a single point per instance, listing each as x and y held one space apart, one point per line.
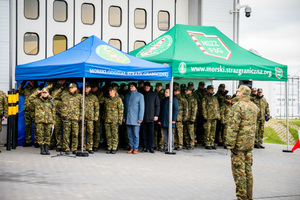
287 151
170 153
82 154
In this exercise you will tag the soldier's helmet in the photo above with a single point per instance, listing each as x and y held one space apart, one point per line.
210 87
201 83
222 86
73 85
244 89
190 84
253 89
183 86
259 90
228 97
158 84
45 90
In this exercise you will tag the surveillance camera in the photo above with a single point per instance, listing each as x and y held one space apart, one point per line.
247 11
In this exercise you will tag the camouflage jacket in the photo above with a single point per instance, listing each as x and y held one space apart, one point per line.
263 106
3 104
56 95
113 110
44 111
192 107
101 99
71 105
183 108
252 97
241 130
221 97
27 91
210 107
200 96
91 107
225 110
161 94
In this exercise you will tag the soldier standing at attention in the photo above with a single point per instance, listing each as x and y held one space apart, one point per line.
225 110
189 127
211 113
30 88
262 116
182 90
240 140
3 108
44 118
200 126
91 116
181 119
253 94
72 111
113 112
97 125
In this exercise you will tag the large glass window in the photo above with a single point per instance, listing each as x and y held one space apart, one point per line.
31 9
115 43
87 13
115 16
60 11
138 44
31 43
59 44
163 20
140 17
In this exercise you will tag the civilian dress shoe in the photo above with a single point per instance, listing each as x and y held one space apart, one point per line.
151 151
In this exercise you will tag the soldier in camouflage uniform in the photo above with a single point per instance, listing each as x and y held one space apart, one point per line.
30 88
262 116
200 124
91 116
182 90
211 113
44 118
97 125
181 119
3 108
158 132
240 140
71 110
253 94
113 109
189 127
225 110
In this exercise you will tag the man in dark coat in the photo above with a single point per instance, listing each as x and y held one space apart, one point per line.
152 107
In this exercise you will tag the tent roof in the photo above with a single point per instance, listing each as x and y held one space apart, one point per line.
93 58
205 52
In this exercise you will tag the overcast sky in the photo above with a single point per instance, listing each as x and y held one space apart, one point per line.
273 30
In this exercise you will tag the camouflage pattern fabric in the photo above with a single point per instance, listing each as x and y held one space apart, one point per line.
189 128
43 133
158 136
112 136
88 129
97 124
3 107
70 128
259 135
225 110
161 94
182 116
210 132
58 125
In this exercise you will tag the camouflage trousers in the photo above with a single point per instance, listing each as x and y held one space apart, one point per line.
70 129
219 132
241 165
89 130
178 135
57 131
158 136
225 133
96 135
43 133
189 134
112 135
210 132
260 129
200 130
29 120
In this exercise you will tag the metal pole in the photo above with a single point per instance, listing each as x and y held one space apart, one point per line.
170 137
12 42
82 122
287 116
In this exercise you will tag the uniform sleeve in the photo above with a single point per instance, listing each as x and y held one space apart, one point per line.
33 97
141 108
97 109
175 109
185 111
233 127
204 111
80 106
267 109
194 110
222 114
120 110
21 89
157 105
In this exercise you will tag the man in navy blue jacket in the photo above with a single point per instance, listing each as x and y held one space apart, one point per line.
164 117
133 116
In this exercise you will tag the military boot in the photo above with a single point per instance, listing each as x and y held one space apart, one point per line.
46 149
42 150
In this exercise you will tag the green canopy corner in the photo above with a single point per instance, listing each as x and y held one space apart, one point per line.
206 53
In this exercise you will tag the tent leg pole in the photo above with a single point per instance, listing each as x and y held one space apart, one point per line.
170 132
287 117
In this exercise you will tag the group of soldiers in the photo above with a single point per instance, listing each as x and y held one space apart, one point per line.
56 113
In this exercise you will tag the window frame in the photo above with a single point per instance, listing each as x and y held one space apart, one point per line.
53 43
138 41
117 40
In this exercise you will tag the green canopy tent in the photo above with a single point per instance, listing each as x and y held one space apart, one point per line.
206 53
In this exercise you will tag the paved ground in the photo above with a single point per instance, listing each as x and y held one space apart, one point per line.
198 174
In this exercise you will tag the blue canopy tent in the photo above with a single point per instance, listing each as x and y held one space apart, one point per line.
92 58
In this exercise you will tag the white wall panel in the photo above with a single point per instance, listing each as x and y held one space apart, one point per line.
182 12
85 30
135 33
110 32
165 5
59 28
30 25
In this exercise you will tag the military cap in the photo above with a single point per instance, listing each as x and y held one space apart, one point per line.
228 96
177 89
253 89
140 82
158 84
168 86
189 88
134 84
222 86
122 85
73 85
183 85
201 83
114 85
147 84
190 83
112 88
259 90
176 84
45 90
88 85
244 89
94 85
210 87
